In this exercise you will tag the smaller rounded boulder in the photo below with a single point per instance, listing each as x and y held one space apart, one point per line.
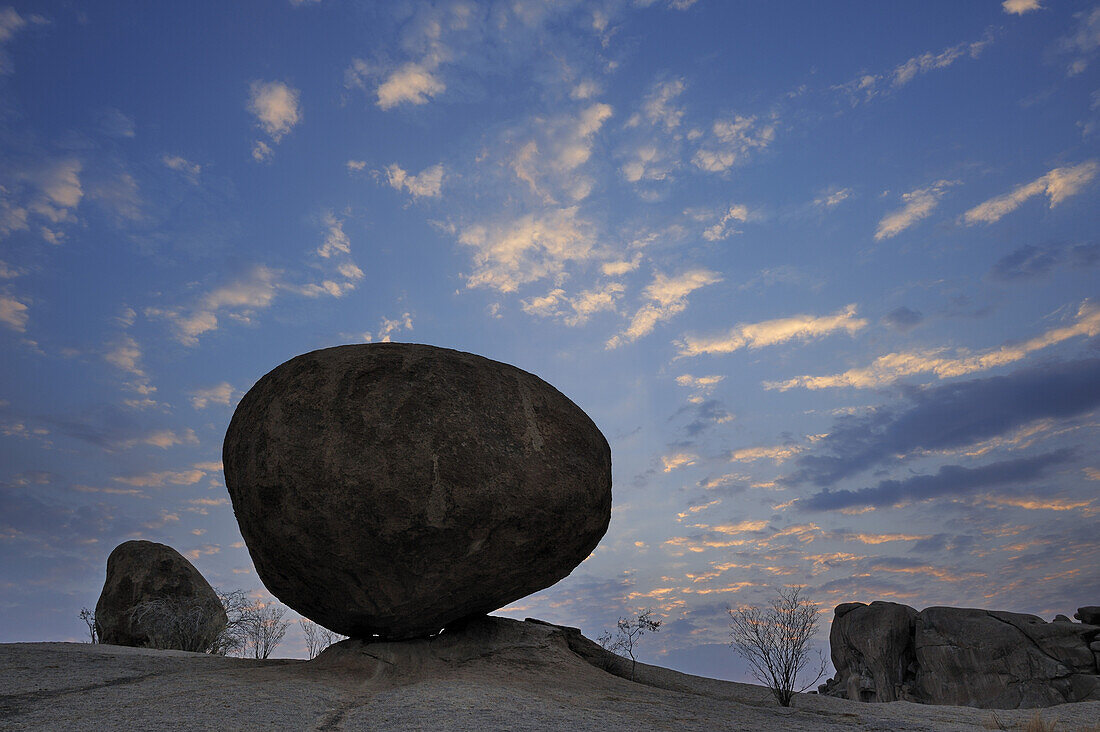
153 597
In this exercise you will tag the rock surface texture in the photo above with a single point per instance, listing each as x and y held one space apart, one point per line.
143 571
391 489
960 656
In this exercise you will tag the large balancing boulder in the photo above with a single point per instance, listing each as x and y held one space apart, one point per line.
390 489
154 597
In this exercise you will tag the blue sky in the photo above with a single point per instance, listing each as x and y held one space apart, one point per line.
825 275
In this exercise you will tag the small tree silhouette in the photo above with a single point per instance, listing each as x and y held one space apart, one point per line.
88 616
776 642
264 628
627 635
318 637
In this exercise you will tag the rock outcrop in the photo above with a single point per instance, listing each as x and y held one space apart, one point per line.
391 489
961 656
154 597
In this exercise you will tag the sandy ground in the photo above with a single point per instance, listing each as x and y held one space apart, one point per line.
509 677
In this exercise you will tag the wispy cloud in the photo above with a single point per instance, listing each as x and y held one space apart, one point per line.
1084 42
13 313
732 141
893 366
11 22
1019 7
427 184
511 252
276 108
578 309
919 204
411 83
772 332
724 228
869 85
182 165
221 394
1058 185
125 354
388 327
667 297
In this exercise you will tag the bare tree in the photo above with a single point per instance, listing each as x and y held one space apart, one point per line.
318 637
88 616
627 635
233 637
776 642
264 628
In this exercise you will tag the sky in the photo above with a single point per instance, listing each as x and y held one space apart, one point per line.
824 274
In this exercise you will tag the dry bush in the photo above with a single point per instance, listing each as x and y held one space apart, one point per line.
1038 724
626 638
179 623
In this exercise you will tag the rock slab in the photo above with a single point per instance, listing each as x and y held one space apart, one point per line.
143 571
960 656
391 489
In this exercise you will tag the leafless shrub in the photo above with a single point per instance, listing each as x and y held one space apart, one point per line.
318 637
1038 724
264 628
776 642
88 616
233 638
627 635
180 623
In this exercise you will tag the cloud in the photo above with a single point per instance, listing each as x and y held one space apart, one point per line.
113 123
257 289
659 106
11 22
647 162
903 319
47 193
554 151
575 310
1019 7
411 83
772 332
125 354
336 242
275 106
182 165
723 229
161 479
511 252
919 204
427 184
667 297
701 386
218 394
1058 185
833 197
1084 41
731 141
893 366
777 454
949 480
678 460
388 327
13 313
866 86
926 62
949 417
355 166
